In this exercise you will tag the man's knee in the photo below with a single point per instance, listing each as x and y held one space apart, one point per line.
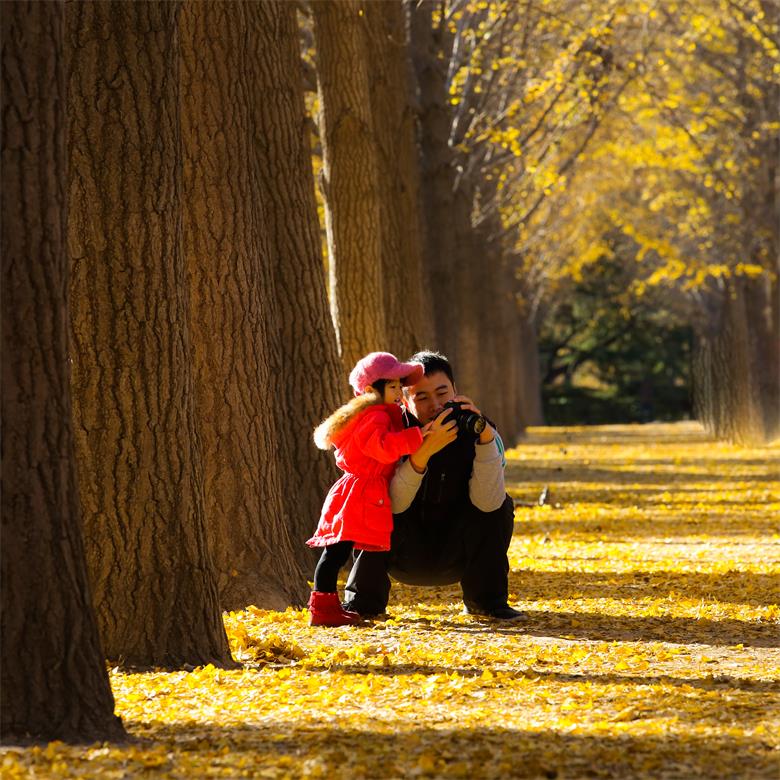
499 523
507 518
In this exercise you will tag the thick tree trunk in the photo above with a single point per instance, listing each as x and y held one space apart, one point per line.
505 360
350 179
53 682
452 251
309 380
488 299
763 296
737 357
234 309
761 308
141 477
437 175
529 381
727 396
408 316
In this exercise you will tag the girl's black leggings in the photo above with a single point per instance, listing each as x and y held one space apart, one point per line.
333 557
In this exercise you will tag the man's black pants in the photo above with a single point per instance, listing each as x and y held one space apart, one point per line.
439 546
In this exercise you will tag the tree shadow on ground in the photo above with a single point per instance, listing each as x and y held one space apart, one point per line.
734 587
446 751
572 473
646 526
623 628
712 683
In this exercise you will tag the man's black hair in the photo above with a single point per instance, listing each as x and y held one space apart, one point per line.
433 362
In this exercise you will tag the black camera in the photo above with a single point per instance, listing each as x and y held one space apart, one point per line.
468 422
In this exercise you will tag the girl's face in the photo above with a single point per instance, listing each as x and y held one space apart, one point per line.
393 392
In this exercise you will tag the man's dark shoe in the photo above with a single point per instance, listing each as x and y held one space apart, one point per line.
502 612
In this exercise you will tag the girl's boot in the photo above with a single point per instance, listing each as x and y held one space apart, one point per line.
325 610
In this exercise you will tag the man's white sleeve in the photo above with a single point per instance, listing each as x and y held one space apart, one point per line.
404 486
486 486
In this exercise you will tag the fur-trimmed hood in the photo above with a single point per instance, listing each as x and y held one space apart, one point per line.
326 430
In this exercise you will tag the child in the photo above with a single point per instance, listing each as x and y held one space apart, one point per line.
369 438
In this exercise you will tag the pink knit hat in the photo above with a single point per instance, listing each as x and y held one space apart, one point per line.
383 365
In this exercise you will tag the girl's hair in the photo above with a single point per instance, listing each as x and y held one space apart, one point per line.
379 386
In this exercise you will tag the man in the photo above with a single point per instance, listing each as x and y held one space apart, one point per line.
452 518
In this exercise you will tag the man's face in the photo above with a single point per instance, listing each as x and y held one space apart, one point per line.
428 396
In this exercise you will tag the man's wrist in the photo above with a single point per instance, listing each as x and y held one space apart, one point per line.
487 432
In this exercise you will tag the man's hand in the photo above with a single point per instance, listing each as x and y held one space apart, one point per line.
487 435
437 434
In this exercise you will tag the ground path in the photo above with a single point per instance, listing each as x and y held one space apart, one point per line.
651 581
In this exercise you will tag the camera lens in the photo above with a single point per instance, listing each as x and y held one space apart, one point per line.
475 424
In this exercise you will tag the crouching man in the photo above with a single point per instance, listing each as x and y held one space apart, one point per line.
452 518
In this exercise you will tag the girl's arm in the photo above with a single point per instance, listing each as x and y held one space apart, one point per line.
375 439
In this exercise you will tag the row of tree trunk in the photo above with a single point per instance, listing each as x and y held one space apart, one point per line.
411 261
168 345
473 293
162 269
378 287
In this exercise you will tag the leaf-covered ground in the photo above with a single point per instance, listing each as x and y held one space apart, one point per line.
651 582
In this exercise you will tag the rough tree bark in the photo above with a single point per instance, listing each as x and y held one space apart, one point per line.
350 178
140 474
737 351
529 379
53 680
492 304
437 174
727 398
228 249
408 317
309 379
451 244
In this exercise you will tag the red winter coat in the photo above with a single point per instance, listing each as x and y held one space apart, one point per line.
369 438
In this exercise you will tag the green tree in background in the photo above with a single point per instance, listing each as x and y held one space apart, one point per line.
609 357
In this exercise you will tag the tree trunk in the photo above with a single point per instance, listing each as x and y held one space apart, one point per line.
488 299
737 359
228 251
437 174
408 317
350 179
529 381
452 249
141 482
763 295
53 682
309 380
726 395
761 309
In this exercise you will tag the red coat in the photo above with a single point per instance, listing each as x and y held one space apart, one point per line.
369 438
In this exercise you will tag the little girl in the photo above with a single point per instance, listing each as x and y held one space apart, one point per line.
369 438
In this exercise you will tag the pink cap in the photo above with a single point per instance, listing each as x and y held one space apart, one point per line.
383 365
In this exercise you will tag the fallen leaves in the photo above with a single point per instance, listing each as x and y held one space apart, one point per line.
651 585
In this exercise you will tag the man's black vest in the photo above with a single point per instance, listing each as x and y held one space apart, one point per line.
446 481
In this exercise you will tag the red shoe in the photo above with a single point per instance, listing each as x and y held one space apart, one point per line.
325 610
